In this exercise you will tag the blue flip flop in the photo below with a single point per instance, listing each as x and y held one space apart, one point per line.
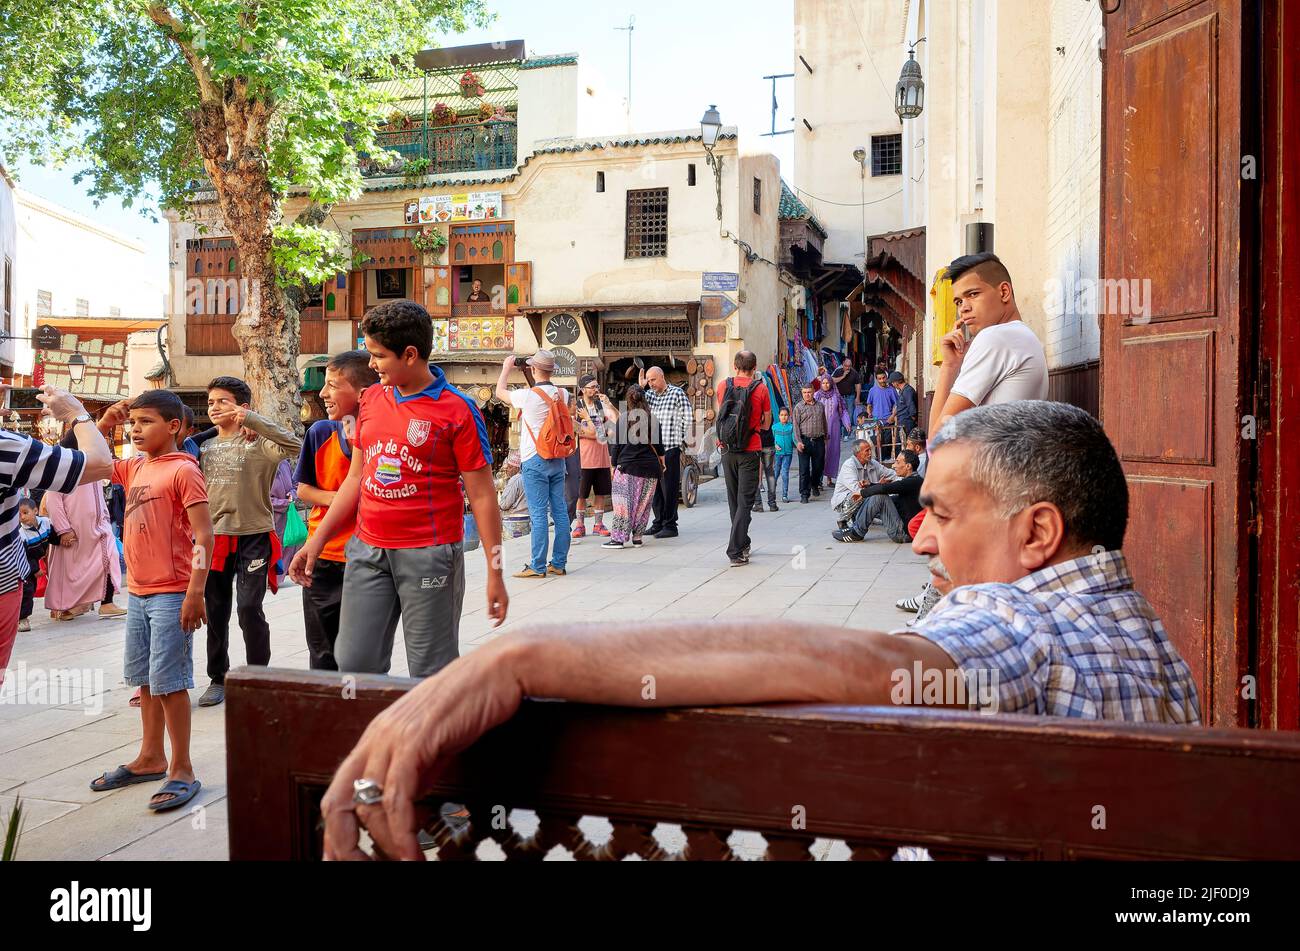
122 777
181 791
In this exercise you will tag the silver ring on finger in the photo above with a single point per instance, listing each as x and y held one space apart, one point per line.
367 792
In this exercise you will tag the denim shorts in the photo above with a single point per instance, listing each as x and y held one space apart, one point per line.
159 654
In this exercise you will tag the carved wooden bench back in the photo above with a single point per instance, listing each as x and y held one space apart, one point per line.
965 786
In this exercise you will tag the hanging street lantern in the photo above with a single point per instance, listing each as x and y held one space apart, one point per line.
76 368
909 94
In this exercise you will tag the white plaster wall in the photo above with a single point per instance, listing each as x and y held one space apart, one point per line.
1017 106
74 257
1073 180
856 50
141 357
760 280
916 170
575 236
548 105
9 249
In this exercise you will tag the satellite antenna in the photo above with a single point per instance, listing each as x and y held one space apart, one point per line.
631 25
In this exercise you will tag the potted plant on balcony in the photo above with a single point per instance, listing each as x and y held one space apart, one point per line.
399 121
471 86
430 242
486 111
416 168
443 114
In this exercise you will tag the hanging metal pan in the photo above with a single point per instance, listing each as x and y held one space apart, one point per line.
691 366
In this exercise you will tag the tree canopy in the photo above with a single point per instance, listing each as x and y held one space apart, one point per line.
252 99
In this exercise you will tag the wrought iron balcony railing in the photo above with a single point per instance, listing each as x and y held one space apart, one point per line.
467 147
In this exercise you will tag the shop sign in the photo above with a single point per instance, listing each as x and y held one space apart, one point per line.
467 206
721 281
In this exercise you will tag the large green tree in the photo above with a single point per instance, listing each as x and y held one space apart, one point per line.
249 99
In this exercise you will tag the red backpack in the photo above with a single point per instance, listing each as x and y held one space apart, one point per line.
556 440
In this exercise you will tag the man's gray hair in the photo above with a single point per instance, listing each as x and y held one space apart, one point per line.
1038 451
859 443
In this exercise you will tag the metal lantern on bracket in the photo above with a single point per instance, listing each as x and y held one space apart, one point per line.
909 93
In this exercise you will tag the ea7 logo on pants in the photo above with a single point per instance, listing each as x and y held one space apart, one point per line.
434 582
417 431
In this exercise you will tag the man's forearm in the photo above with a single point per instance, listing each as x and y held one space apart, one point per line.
743 661
99 458
286 443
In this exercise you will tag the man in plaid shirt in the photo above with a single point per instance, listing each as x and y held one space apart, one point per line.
672 411
1027 505
1027 512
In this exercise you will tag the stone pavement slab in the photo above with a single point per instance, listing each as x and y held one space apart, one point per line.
49 752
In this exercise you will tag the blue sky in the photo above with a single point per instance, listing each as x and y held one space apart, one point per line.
686 54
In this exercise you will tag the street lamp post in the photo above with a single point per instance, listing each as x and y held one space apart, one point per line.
710 127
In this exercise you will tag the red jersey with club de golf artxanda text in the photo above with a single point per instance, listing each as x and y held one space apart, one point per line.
414 450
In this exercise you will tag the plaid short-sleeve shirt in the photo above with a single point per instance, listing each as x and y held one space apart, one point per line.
1072 640
672 411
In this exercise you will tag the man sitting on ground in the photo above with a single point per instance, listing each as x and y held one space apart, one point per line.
1027 510
857 472
893 504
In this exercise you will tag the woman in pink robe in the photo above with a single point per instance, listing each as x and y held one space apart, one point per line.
84 562
837 421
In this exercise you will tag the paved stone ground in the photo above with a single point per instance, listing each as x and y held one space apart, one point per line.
50 752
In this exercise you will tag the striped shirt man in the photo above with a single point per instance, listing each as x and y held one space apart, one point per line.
672 411
27 466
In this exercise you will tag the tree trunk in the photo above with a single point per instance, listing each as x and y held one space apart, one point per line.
231 138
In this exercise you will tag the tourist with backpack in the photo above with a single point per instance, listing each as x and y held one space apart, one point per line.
546 440
744 410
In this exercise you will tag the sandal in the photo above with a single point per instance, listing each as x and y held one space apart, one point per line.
122 777
135 698
180 791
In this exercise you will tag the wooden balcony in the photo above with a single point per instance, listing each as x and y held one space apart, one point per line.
963 785
481 309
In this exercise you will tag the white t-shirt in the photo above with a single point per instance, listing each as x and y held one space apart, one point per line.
1003 363
534 412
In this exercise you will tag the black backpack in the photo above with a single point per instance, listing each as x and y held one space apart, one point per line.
733 418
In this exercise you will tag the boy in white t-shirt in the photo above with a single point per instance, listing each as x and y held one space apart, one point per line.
543 478
1003 361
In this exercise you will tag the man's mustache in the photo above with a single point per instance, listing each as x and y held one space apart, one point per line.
937 569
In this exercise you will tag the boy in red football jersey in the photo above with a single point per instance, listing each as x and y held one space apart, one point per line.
323 465
418 437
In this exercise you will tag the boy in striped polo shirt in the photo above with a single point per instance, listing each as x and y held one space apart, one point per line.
418 438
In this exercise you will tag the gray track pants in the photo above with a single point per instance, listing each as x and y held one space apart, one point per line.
424 587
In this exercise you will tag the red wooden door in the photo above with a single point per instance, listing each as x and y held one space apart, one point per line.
1277 402
1173 374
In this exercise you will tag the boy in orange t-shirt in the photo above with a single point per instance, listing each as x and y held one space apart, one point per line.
323 464
167 540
